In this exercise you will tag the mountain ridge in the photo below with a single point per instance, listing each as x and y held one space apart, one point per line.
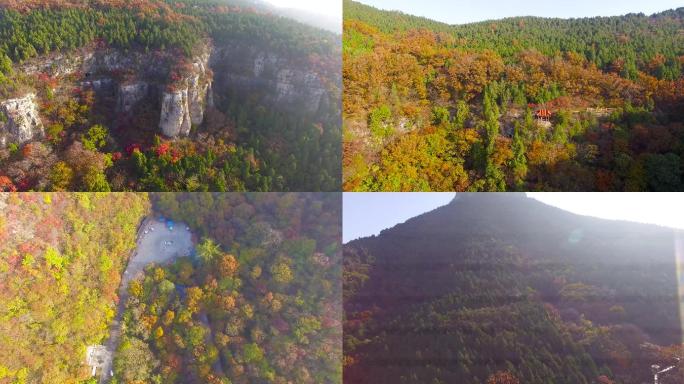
353 7
472 277
461 196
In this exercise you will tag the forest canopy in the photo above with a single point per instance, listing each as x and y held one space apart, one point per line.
501 288
61 260
244 143
259 302
515 104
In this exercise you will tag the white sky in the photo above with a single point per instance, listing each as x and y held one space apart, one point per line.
326 7
665 209
367 214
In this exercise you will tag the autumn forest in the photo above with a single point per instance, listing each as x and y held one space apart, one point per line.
523 103
257 300
335 192
136 96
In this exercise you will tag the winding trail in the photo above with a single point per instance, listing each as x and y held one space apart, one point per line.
155 244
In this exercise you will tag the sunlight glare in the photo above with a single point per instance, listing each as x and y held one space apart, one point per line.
664 209
326 7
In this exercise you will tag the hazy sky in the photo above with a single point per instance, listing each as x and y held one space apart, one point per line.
466 11
367 214
326 7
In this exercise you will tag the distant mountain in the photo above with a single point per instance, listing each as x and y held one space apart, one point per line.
496 285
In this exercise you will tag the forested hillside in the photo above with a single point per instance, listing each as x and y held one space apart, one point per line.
500 288
515 104
259 303
237 140
61 259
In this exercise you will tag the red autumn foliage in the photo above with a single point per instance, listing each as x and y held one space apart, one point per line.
24 185
6 185
503 377
162 149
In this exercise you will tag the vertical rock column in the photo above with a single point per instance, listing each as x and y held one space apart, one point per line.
184 107
19 120
175 114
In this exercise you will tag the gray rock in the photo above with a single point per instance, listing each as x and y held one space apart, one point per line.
175 114
185 106
130 95
19 120
281 80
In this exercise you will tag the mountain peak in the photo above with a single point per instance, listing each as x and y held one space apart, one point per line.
497 195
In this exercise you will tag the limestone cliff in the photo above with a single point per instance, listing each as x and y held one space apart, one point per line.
183 105
19 120
131 94
182 95
175 114
282 80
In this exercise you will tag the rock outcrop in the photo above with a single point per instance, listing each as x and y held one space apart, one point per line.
130 95
184 106
299 87
175 114
19 120
182 94
281 80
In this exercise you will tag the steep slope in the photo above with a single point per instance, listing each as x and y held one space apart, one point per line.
500 282
521 103
178 95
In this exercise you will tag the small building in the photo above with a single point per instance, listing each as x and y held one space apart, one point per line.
543 114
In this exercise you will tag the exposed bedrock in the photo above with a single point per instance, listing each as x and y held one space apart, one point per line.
19 120
175 114
130 95
281 80
182 94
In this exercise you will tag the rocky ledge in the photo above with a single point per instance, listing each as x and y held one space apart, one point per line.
182 94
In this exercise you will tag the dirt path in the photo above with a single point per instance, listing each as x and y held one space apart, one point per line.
156 244
217 366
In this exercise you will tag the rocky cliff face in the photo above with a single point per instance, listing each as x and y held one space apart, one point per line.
129 95
19 120
281 80
175 114
147 76
137 77
183 106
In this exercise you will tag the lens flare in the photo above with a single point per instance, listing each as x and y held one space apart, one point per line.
679 258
